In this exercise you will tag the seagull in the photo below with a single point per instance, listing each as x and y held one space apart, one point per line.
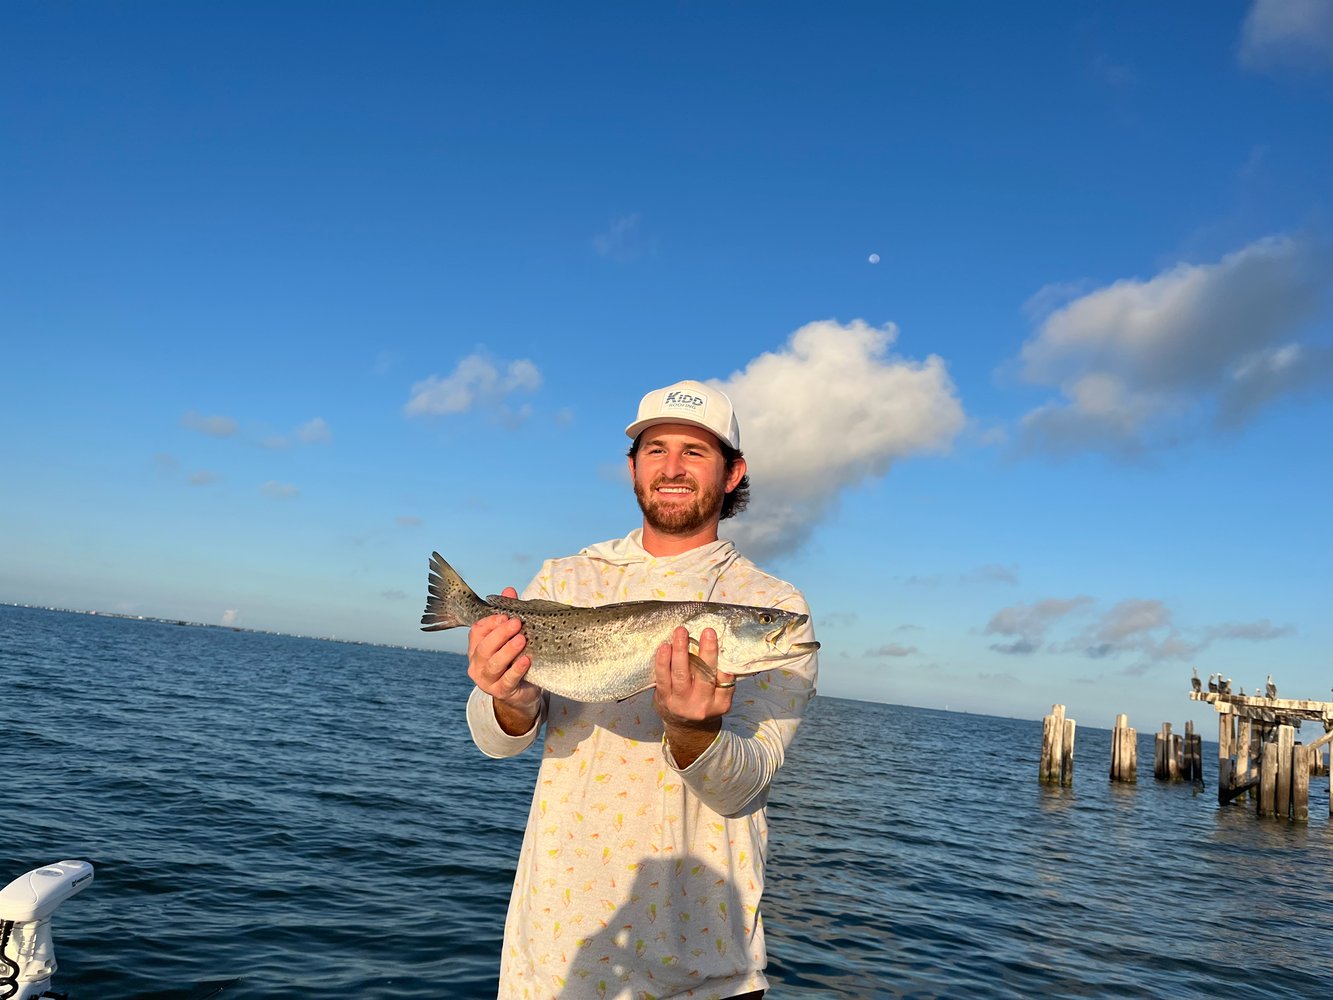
1270 689
1212 684
1194 681
1224 686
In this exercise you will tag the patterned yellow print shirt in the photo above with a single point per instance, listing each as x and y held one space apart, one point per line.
638 879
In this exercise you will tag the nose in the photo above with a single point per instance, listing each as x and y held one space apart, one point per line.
673 464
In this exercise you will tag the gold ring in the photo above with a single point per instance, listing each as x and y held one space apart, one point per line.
725 684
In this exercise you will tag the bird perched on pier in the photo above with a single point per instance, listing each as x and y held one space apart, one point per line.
1194 680
1212 684
1242 690
1270 689
1223 686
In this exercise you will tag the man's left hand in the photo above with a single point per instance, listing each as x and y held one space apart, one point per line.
691 705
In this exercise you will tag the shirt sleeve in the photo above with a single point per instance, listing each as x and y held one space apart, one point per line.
486 732
732 776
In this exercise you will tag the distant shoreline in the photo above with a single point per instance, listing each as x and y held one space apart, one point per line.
224 628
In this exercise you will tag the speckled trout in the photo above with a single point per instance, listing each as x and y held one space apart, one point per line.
607 653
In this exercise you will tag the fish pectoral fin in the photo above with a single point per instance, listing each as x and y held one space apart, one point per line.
636 693
702 668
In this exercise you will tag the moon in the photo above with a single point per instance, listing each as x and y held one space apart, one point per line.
873 258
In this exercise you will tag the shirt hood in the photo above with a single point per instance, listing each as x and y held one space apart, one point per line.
707 561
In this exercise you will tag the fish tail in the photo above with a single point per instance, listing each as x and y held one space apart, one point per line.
452 603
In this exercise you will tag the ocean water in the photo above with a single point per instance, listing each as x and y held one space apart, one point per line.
278 817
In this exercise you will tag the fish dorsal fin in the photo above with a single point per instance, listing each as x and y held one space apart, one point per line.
516 605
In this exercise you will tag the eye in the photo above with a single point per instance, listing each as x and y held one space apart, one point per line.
765 619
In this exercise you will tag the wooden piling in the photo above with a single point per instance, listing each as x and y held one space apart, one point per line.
1244 749
1286 740
1164 762
1057 748
1067 757
1300 783
1268 781
1124 751
1226 747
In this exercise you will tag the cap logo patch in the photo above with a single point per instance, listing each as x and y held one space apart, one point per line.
677 400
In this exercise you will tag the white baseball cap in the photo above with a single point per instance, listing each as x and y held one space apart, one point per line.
689 402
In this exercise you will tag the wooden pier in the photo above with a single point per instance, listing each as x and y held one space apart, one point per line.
1257 750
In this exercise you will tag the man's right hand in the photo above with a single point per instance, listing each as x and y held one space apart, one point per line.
496 664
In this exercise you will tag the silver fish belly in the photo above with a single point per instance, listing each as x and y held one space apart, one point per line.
607 653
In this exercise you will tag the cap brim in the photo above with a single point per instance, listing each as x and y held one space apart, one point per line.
639 426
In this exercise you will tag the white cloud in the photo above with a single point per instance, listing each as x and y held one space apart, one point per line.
477 381
1138 361
1140 628
1295 33
828 411
892 649
212 426
229 617
1260 631
314 431
622 241
1028 623
279 491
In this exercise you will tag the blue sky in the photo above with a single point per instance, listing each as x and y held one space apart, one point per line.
293 294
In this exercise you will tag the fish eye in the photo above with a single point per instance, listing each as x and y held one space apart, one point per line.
765 619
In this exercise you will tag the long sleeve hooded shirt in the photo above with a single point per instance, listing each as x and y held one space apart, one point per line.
639 879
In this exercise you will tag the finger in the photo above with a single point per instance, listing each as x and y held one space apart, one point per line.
496 652
709 653
485 628
662 670
512 678
681 671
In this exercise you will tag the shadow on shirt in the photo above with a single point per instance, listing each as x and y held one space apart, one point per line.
683 927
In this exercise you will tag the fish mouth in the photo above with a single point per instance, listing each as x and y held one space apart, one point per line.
777 649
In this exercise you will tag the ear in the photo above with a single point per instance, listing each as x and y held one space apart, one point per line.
736 474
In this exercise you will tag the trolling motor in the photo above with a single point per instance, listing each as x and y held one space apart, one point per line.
27 956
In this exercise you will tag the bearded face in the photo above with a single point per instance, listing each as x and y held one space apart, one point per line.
680 505
680 479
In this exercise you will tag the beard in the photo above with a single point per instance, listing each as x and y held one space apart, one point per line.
682 516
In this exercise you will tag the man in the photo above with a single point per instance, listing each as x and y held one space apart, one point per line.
642 865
